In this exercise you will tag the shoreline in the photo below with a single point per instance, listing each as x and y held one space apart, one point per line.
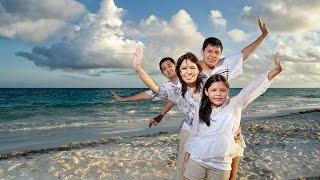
277 147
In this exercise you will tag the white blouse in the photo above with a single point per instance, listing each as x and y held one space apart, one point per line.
215 145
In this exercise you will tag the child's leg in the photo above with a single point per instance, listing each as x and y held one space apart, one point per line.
195 170
183 137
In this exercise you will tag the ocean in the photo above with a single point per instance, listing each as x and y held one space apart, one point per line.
32 119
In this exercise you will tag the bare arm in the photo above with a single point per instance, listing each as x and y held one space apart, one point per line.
147 80
166 108
258 85
247 51
138 97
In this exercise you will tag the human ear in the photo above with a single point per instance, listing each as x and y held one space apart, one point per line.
206 92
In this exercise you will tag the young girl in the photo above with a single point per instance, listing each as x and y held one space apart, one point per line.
210 150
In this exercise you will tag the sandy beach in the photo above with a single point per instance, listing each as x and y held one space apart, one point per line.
278 147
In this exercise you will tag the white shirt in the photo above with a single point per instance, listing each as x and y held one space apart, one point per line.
215 145
229 67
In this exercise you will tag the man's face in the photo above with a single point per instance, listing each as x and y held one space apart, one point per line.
211 55
168 69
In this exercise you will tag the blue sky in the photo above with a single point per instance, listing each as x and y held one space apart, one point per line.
89 43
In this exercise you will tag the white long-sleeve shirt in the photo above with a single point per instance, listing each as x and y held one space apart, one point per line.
214 145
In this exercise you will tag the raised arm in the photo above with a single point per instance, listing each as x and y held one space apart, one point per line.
147 80
166 108
258 85
138 97
247 51
272 74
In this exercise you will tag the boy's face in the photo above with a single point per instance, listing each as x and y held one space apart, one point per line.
211 55
168 69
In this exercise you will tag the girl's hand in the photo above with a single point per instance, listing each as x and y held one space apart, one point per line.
185 161
272 74
138 56
277 62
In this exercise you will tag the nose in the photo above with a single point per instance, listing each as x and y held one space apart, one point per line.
189 71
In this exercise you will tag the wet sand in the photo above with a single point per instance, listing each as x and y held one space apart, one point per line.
280 147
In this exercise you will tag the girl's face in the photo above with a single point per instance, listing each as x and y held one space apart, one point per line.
217 93
189 72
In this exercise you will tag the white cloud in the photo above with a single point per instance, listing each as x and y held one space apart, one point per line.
288 16
237 35
37 20
217 20
247 9
97 42
103 40
172 38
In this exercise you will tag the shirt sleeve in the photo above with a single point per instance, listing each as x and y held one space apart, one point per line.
234 64
150 93
162 93
253 90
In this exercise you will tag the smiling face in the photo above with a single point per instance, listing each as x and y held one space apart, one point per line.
189 72
217 93
211 55
168 69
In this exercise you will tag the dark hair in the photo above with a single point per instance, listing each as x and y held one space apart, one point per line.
213 41
164 60
205 104
193 58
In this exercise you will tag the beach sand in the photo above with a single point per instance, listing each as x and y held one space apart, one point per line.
279 147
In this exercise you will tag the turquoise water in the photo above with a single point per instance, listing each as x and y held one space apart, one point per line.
37 118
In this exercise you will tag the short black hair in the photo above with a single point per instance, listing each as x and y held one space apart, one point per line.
166 59
213 41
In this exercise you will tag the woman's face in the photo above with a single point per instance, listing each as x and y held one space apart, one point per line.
217 93
189 72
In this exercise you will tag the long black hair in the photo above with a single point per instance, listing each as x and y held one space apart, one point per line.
205 104
193 58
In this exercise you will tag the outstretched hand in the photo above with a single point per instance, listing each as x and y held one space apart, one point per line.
277 62
278 69
138 56
116 96
152 123
263 27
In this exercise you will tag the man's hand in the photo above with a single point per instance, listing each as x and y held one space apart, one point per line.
116 97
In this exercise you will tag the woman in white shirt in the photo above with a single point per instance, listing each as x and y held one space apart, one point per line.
210 149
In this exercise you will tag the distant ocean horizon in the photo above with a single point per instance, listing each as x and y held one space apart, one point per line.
34 118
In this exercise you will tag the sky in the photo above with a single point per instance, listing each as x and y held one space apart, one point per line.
90 43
